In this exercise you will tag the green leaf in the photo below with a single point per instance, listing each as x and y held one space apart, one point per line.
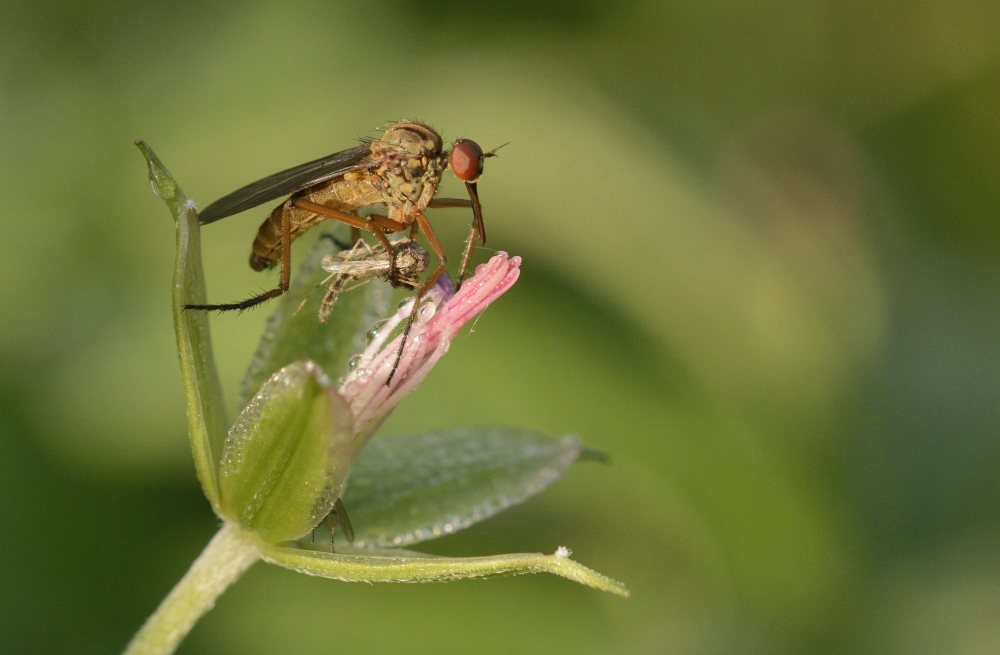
404 490
287 456
418 567
202 391
293 334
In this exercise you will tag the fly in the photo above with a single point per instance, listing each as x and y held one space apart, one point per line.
400 170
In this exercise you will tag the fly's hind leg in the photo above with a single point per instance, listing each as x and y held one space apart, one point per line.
286 270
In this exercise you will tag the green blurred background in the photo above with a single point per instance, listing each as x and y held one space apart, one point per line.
761 269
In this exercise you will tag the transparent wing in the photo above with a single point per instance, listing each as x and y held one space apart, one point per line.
287 182
357 269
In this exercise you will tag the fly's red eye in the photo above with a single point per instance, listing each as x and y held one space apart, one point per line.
467 160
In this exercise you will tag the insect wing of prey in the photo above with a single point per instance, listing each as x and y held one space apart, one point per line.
365 261
358 269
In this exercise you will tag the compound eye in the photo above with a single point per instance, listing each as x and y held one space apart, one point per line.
467 160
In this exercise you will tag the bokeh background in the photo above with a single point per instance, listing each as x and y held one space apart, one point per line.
762 270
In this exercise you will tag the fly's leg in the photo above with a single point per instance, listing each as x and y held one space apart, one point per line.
286 270
377 225
445 203
477 229
467 254
428 232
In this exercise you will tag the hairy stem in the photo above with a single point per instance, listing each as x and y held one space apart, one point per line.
225 558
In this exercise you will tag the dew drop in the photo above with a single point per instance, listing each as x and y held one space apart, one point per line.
374 331
353 362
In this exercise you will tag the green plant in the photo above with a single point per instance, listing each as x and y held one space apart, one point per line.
280 470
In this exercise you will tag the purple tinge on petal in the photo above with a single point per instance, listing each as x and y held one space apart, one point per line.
443 289
437 323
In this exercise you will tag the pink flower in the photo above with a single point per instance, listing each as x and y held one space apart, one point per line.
438 321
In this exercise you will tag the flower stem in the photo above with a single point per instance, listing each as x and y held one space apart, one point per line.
225 558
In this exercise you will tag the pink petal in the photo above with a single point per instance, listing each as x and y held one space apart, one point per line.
370 399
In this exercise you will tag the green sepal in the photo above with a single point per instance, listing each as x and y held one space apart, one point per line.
287 457
202 391
405 490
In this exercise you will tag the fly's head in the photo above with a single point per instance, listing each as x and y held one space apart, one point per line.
411 159
411 258
466 160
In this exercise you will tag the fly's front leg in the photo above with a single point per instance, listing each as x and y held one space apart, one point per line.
467 254
428 232
444 203
477 229
286 270
477 226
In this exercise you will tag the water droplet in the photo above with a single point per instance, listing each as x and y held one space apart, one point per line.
374 331
353 362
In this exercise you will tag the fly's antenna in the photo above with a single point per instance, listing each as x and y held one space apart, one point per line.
493 153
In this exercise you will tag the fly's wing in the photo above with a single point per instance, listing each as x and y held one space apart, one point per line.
287 182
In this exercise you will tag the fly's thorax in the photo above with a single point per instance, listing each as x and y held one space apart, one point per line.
410 160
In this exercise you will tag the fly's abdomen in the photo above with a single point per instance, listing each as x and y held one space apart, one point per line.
266 251
343 194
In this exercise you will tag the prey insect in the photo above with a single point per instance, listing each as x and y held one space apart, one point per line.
400 170
363 263
337 518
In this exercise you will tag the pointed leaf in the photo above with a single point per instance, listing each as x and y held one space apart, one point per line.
287 456
404 490
417 567
203 393
293 334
